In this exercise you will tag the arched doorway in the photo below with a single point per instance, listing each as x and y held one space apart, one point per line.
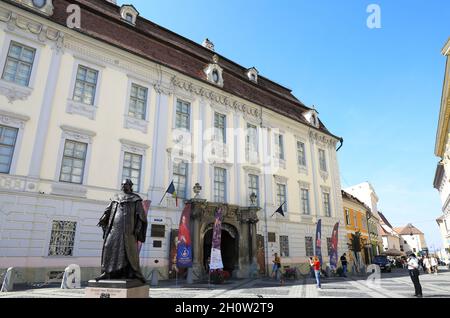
229 249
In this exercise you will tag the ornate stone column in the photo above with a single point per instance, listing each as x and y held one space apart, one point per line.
198 208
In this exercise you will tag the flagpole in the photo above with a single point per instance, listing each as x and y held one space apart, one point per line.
162 198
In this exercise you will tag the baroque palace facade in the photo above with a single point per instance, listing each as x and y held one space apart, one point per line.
82 108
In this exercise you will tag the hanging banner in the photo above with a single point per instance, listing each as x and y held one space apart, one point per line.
146 205
184 248
334 247
319 241
216 253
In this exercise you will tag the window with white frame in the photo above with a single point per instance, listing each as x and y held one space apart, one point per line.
132 169
62 239
306 210
19 64
279 147
73 162
322 160
355 216
347 217
326 204
284 246
183 116
253 186
8 138
220 176
180 176
220 122
138 102
251 146
301 154
85 85
281 195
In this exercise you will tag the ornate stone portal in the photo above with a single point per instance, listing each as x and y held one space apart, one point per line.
239 225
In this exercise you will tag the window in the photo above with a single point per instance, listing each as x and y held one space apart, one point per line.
305 201
326 204
272 237
219 184
322 160
347 217
73 162
329 246
220 128
355 216
62 239
158 230
8 137
132 166
301 153
19 64
253 186
157 244
180 175
363 222
183 120
309 246
138 102
279 147
251 147
284 246
129 17
281 195
85 85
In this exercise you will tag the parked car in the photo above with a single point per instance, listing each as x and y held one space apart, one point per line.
383 262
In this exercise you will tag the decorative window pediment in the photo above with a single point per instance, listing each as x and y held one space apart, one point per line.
214 72
43 6
129 14
252 74
312 116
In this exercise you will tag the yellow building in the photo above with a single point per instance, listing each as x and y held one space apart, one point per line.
356 215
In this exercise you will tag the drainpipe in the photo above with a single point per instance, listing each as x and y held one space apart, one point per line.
342 143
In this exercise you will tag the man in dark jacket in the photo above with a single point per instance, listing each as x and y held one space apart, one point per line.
344 264
124 224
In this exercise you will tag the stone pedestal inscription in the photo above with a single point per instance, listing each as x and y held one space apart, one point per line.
117 289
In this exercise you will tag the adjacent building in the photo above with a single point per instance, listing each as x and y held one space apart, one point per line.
442 151
411 239
84 106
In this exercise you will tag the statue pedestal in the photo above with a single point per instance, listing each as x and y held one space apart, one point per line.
117 289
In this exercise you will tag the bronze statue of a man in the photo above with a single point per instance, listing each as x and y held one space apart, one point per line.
124 224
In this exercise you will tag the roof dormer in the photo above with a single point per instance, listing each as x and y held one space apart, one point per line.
214 72
252 74
312 116
129 13
42 6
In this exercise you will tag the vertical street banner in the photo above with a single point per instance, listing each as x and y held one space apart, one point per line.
146 205
216 253
334 247
184 247
319 241
173 254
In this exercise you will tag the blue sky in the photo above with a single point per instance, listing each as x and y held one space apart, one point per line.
380 89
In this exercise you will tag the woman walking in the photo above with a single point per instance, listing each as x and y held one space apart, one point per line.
317 270
413 267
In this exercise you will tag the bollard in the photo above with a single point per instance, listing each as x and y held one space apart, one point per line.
71 273
155 278
190 276
8 282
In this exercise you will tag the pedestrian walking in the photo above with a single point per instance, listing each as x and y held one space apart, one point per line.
427 264
344 264
317 271
434 265
311 267
276 267
414 273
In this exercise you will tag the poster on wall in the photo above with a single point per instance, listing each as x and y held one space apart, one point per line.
334 247
216 253
319 241
184 248
173 254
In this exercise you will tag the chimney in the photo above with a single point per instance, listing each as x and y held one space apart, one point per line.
208 44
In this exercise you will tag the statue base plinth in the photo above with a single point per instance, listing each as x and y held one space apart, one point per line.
117 289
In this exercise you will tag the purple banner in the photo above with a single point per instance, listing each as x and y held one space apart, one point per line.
216 253
184 248
334 247
319 241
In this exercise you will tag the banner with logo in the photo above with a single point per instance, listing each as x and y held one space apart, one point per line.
319 241
184 247
334 247
216 253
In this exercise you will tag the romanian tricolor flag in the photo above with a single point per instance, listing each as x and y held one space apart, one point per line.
171 190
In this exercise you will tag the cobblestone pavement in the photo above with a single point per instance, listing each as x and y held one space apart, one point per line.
392 285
